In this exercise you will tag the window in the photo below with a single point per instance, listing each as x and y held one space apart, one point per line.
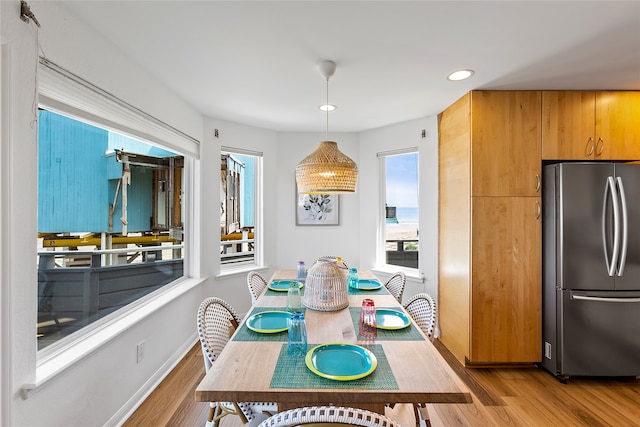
399 245
114 186
110 221
240 173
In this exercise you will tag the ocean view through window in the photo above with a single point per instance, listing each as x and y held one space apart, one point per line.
401 219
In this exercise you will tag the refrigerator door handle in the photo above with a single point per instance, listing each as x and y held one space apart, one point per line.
604 299
611 263
625 229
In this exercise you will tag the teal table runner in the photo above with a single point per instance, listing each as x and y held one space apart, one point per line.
410 333
351 291
272 293
380 291
246 334
292 372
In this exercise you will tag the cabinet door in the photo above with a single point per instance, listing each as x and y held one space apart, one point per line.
568 120
454 227
617 126
506 295
505 143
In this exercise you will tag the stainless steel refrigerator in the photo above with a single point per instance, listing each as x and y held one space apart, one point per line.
591 263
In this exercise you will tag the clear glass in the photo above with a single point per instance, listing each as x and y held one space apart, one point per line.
294 303
368 326
353 278
297 335
301 273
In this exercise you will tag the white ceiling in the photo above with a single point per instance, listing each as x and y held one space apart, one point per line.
256 62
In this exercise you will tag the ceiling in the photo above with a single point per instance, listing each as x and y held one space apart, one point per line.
256 63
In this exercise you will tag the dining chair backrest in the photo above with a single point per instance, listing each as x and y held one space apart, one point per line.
396 284
422 309
217 321
256 284
328 415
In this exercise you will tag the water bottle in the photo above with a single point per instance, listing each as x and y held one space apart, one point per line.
368 326
301 274
294 302
353 278
297 335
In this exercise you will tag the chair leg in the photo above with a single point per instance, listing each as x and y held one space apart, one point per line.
211 419
215 415
422 415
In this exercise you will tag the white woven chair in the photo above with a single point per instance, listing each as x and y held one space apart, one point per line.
396 284
422 309
217 321
257 285
329 415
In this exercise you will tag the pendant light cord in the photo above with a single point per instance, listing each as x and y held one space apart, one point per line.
326 132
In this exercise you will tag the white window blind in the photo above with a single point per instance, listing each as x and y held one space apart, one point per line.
64 92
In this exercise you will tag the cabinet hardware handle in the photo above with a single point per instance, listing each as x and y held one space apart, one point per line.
590 146
538 183
600 140
538 209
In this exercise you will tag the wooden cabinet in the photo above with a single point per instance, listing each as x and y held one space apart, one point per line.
506 277
578 125
505 143
489 289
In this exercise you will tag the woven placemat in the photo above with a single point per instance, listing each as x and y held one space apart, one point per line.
410 333
246 334
292 372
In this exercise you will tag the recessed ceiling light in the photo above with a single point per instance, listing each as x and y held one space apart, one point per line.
460 75
327 107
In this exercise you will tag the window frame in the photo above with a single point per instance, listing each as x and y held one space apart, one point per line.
258 244
381 258
63 92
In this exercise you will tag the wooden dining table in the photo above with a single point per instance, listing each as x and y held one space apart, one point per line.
255 367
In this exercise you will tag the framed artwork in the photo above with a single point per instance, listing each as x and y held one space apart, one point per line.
317 209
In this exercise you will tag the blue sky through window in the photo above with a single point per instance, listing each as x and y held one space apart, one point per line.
402 180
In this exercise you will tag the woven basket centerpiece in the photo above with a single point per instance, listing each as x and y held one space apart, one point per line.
326 286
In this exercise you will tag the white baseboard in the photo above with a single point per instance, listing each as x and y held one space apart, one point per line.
136 400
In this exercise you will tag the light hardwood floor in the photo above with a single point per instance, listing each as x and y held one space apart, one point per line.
501 397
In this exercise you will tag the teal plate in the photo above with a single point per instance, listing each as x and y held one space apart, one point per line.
387 318
269 322
340 361
368 284
282 285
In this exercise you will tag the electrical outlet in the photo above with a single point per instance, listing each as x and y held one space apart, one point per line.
140 352
547 350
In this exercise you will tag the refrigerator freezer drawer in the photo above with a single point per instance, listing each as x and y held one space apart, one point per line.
600 333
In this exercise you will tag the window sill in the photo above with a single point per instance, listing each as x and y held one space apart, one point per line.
53 363
412 274
241 270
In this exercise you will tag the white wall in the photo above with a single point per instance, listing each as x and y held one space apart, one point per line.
389 138
308 243
99 387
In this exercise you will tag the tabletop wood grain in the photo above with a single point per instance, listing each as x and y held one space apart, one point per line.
244 369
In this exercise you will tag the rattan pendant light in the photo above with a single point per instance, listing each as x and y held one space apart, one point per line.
327 170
